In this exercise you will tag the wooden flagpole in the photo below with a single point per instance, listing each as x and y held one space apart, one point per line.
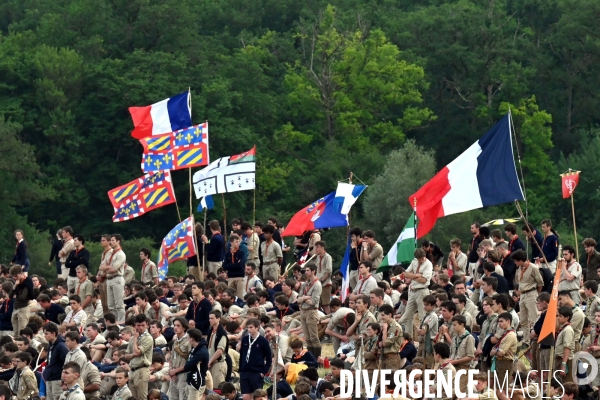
224 216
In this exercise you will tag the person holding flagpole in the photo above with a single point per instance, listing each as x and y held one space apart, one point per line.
419 272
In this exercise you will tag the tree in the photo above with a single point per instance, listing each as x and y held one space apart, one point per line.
386 200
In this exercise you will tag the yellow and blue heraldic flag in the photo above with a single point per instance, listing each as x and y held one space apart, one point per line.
185 148
153 190
177 245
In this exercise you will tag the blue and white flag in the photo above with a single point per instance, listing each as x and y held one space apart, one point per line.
346 195
206 202
345 270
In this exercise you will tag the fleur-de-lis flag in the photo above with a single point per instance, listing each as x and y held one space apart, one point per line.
177 245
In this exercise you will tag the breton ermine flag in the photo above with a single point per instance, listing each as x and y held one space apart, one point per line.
168 115
483 175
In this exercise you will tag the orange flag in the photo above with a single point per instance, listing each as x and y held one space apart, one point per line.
548 332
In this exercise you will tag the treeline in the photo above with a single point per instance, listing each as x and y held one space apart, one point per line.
321 87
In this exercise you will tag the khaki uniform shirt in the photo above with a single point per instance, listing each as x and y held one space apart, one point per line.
593 339
117 263
324 265
76 356
221 345
104 260
425 268
338 319
394 338
469 319
157 314
577 321
75 393
67 248
128 274
145 345
84 289
489 327
593 305
508 346
149 272
181 351
565 340
461 264
254 242
90 375
79 317
462 346
442 338
430 324
530 278
364 286
251 282
487 394
314 238
122 393
312 289
271 252
361 328
575 270
27 384
375 255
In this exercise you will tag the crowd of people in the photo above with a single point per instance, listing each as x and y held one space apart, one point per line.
242 325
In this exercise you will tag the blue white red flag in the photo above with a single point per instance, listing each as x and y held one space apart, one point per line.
165 116
317 215
177 245
345 270
483 175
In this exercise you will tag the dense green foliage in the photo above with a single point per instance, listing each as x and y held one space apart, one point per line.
322 88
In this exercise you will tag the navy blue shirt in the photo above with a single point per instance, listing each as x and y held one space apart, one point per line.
52 313
215 249
198 312
473 256
510 270
234 264
535 253
260 356
550 247
516 244
57 352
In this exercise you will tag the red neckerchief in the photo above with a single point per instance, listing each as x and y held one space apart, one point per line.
79 286
523 271
233 255
363 280
512 241
144 268
561 329
444 365
113 254
306 290
500 340
157 311
78 250
320 262
597 335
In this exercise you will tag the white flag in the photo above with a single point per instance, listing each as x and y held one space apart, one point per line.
227 174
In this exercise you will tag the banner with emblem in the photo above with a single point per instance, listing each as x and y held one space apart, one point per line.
570 180
181 149
177 245
227 174
153 190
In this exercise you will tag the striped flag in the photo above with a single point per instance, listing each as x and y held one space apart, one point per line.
345 270
177 245
403 250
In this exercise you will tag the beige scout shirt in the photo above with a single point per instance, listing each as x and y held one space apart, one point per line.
149 272
67 248
128 274
324 265
593 339
27 384
487 394
471 308
338 319
270 252
181 351
575 270
593 305
577 321
253 242
462 346
364 286
157 314
104 260
394 338
145 345
461 264
508 346
529 278
79 317
430 324
375 255
314 238
84 289
90 375
99 339
312 289
117 262
251 282
489 327
221 345
469 319
361 328
77 356
425 268
565 340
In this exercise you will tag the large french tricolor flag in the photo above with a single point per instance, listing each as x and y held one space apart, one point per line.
484 175
169 115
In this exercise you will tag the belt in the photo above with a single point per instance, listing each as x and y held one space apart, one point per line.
140 367
415 289
270 263
527 291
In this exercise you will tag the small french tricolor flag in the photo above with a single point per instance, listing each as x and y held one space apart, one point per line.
165 116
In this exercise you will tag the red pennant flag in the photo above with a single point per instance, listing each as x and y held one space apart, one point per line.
569 183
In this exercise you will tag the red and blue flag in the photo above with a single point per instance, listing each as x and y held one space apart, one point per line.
177 245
